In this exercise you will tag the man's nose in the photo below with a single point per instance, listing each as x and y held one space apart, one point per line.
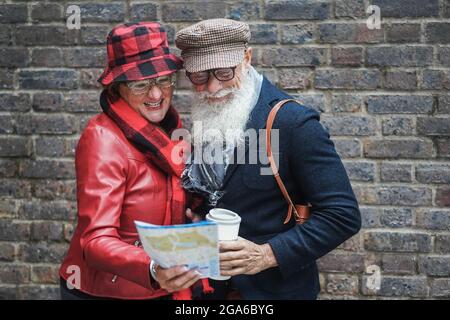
155 93
213 84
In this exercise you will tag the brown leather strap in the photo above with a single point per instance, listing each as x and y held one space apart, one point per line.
301 212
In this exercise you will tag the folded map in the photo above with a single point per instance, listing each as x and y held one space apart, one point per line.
194 245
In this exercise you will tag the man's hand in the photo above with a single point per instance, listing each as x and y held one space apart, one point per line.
176 278
193 216
245 257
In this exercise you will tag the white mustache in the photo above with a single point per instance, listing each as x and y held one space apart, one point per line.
219 94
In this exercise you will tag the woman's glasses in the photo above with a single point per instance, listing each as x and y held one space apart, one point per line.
142 87
221 74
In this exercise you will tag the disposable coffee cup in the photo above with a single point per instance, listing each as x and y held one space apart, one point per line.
228 227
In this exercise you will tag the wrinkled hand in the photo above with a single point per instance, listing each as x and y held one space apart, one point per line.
176 278
193 216
244 257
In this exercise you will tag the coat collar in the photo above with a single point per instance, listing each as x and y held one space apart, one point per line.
269 95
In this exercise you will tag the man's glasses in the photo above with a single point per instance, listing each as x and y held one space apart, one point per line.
221 74
142 87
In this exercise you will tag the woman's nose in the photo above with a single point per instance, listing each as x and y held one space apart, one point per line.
155 93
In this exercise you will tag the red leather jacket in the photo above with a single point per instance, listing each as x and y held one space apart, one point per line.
115 186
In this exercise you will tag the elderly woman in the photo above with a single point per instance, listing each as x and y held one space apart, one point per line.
125 172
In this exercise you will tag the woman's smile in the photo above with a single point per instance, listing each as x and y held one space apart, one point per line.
153 105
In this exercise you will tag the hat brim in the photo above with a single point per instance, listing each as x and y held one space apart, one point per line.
197 61
140 70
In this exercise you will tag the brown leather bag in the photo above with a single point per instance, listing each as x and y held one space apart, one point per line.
301 212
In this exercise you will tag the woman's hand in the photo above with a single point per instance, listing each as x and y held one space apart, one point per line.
176 278
193 216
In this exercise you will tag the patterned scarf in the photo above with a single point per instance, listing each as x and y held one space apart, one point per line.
158 149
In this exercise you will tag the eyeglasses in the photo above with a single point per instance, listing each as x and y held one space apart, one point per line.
221 74
141 87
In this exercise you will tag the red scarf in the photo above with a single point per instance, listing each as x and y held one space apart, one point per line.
158 148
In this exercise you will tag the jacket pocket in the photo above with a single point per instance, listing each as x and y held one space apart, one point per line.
271 280
136 243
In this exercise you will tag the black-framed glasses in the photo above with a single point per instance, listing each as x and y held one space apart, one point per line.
141 87
221 74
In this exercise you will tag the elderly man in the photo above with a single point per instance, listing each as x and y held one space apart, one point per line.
271 259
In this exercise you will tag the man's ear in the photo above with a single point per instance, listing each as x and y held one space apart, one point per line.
248 56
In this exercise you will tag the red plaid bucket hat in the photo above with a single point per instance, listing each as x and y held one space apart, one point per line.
138 51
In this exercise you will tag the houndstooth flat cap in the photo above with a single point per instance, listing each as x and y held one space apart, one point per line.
211 44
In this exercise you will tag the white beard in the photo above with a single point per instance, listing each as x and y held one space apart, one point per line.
219 123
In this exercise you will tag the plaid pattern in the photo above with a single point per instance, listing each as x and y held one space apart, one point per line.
138 51
157 148
152 141
214 43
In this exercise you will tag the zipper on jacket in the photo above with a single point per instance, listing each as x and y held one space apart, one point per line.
137 243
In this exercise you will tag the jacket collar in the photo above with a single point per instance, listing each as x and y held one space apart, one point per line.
268 96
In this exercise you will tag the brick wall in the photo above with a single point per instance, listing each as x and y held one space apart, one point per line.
383 95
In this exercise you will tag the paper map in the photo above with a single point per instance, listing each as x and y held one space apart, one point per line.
194 245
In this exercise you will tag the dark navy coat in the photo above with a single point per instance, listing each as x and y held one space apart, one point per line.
313 173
